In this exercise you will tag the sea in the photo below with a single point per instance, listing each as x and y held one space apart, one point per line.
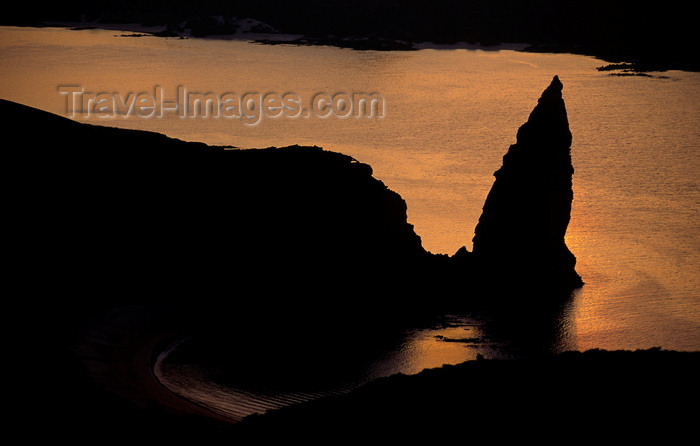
434 124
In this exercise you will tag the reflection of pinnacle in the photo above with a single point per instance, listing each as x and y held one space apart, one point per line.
524 220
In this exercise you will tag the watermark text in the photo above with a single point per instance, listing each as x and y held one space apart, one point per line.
249 108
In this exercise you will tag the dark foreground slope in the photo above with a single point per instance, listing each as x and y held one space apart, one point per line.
609 396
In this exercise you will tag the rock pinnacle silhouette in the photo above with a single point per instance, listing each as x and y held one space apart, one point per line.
520 235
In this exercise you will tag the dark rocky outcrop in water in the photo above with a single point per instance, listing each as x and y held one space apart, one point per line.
520 235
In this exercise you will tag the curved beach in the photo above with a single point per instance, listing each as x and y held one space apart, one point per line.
119 346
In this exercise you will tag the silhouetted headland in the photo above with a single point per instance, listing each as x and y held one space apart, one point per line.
153 217
140 217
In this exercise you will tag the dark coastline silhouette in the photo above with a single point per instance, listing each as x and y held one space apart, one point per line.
649 36
160 219
104 219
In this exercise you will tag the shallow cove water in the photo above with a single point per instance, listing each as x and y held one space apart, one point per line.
450 115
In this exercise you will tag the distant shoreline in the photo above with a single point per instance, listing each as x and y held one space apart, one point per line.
616 67
270 38
650 36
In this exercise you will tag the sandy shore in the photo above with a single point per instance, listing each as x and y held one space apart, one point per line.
118 348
